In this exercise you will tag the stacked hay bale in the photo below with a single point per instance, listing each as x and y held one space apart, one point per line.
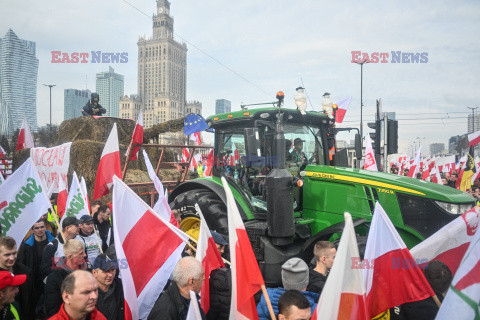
88 136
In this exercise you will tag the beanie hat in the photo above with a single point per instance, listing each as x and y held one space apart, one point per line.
295 274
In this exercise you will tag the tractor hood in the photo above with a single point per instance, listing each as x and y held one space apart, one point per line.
389 181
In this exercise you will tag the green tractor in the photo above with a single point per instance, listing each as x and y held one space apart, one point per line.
289 200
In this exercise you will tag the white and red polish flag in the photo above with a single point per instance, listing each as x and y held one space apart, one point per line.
185 155
193 309
109 165
412 173
436 178
209 256
161 206
209 166
344 294
473 138
2 152
370 163
235 156
137 138
342 109
197 138
25 139
61 198
394 278
147 248
462 299
246 277
450 243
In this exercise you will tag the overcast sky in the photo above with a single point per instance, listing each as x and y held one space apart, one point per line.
273 45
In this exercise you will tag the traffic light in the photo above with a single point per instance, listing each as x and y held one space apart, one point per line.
376 136
392 137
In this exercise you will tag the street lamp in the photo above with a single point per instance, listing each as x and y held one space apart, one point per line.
361 95
50 86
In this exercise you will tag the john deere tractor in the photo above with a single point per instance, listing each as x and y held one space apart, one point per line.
291 193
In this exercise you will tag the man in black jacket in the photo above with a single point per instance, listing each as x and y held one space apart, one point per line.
173 304
93 108
8 262
324 252
101 219
110 291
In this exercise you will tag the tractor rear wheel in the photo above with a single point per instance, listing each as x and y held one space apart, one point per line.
213 209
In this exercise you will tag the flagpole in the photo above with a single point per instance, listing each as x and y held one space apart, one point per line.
98 240
437 301
129 151
269 304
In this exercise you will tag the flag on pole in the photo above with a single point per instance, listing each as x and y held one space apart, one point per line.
137 138
197 138
209 166
246 277
344 294
235 156
161 206
193 309
342 109
391 275
370 163
462 299
412 173
147 248
76 205
22 201
209 257
473 138
83 186
194 123
62 197
450 243
25 139
109 165
185 155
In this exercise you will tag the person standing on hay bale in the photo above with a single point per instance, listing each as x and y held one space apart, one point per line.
93 108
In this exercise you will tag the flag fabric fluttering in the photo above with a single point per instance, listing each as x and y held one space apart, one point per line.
147 248
246 277
194 123
342 109
391 274
137 138
109 165
193 309
25 138
450 243
209 257
370 163
412 173
209 166
185 155
23 201
197 138
462 299
76 205
344 294
62 197
161 206
473 138
83 186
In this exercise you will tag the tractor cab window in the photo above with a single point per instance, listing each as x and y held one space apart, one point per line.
303 146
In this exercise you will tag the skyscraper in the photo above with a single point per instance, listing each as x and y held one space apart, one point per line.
110 89
18 83
162 70
74 100
222 106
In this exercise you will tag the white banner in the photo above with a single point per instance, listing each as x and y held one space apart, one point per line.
22 201
52 163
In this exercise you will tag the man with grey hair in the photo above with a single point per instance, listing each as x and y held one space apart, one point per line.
74 259
188 275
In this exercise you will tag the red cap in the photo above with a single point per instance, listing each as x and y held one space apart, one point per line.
8 279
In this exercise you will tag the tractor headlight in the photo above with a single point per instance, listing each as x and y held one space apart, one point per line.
455 208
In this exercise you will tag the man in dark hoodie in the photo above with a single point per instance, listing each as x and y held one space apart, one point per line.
30 254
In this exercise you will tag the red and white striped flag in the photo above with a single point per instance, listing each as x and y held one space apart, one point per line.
209 166
344 294
462 299
61 198
185 154
137 137
450 243
235 156
25 139
197 138
342 109
246 277
370 163
209 256
147 248
473 138
109 165
412 173
391 275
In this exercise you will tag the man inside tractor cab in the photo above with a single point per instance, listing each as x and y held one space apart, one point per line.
297 153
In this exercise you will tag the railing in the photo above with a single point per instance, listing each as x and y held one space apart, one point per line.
6 166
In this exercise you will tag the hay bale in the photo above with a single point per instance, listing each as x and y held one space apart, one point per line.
168 126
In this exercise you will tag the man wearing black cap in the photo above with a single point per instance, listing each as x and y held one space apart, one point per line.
219 241
8 289
54 250
93 108
110 290
89 237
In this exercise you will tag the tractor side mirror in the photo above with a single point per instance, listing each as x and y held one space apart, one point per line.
252 147
358 147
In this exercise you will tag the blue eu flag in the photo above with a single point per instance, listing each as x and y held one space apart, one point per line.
194 123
